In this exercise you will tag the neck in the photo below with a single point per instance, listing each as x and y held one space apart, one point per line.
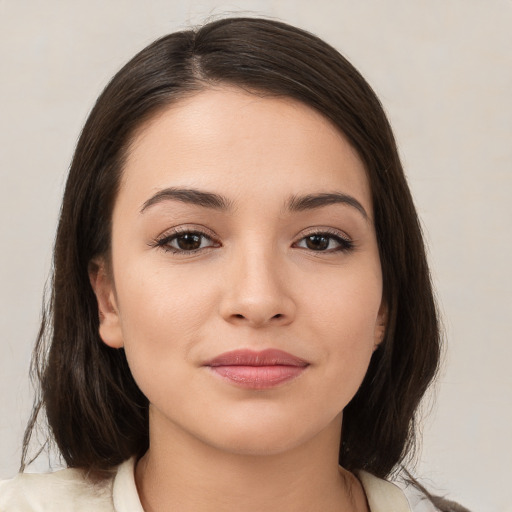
181 472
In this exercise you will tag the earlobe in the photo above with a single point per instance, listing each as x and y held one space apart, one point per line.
380 326
103 287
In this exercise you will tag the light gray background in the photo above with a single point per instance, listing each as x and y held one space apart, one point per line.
443 69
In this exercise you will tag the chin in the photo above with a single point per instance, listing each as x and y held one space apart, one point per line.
268 436
257 445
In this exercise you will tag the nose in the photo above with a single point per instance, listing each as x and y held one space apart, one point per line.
256 293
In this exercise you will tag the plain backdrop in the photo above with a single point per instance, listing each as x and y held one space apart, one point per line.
443 70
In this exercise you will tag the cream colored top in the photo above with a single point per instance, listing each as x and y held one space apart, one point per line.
68 491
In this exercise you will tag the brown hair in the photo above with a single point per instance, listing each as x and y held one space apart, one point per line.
97 415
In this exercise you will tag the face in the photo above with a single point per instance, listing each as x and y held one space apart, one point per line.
245 284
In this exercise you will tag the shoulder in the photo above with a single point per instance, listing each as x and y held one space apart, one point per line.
67 489
385 496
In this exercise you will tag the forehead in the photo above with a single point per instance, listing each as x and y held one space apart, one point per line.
229 140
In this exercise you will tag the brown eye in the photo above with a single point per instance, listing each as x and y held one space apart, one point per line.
188 242
317 242
325 242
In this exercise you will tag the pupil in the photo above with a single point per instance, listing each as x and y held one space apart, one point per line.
317 242
189 242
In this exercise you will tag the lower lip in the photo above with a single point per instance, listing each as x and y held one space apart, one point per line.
258 377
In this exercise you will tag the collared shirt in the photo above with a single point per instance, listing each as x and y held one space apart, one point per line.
68 490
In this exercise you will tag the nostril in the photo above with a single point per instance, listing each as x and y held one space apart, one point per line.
279 315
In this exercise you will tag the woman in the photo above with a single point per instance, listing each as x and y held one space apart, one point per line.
242 313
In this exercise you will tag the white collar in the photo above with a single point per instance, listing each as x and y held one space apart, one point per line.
382 496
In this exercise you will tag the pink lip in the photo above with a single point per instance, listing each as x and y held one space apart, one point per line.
257 370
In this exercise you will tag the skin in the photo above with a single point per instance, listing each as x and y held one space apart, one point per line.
255 283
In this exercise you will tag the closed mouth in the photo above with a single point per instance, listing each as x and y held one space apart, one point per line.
257 370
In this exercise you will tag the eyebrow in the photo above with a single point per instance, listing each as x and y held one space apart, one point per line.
189 196
221 203
312 201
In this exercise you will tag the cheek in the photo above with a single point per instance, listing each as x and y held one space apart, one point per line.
161 317
347 315
346 304
157 303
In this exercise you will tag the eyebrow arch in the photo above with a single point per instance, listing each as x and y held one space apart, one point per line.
312 201
189 196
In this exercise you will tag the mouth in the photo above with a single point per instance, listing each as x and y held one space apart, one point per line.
257 370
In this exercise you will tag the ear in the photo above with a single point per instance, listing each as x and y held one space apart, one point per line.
380 325
103 286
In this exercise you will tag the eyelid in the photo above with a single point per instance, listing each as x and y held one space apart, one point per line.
187 228
324 230
166 236
345 241
162 240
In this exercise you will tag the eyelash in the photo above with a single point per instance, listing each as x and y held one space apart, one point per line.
344 243
163 242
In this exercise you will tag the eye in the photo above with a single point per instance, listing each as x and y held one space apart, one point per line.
185 242
325 242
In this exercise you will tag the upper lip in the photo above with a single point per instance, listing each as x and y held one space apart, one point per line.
245 357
